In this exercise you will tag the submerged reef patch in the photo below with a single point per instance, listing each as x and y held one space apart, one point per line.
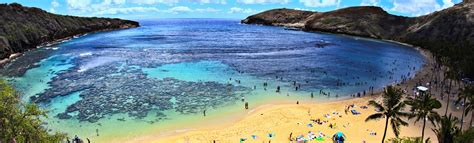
117 89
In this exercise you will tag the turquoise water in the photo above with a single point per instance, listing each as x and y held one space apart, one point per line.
162 76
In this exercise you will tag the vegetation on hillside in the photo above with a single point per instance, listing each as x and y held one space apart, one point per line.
23 28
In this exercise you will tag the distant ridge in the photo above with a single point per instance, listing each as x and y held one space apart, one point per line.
23 28
447 33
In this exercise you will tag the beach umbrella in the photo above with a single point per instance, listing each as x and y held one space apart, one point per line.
338 136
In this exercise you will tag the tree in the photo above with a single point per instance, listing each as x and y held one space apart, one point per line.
447 129
423 108
466 136
391 110
20 122
451 75
408 140
467 97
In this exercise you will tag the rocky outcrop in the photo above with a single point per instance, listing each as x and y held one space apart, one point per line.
361 21
23 28
365 21
447 33
452 26
280 17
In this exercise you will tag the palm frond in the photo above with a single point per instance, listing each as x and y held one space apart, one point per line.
375 116
377 106
395 127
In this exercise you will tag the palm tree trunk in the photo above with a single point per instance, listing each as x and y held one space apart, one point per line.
449 93
472 117
463 111
423 130
385 132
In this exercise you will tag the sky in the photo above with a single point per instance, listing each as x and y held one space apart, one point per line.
235 9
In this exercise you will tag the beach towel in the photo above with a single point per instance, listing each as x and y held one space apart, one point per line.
355 112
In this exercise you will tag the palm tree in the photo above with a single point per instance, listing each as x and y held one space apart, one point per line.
469 107
423 108
447 129
450 75
391 110
467 97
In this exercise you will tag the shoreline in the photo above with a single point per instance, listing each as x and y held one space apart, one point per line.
291 119
257 109
247 117
13 56
299 27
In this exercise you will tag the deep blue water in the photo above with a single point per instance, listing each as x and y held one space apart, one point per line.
190 65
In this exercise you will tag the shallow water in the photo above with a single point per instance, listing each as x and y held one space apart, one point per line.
163 75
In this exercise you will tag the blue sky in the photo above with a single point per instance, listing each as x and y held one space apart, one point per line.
238 9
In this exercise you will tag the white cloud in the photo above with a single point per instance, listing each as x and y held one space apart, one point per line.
170 2
241 10
207 10
126 10
320 3
370 2
415 7
179 9
209 1
263 1
155 1
113 2
112 7
54 3
80 5
447 3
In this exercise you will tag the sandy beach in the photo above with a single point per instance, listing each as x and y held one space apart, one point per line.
283 120
276 122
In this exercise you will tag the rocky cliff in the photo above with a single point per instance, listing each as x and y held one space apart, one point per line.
23 28
280 17
447 33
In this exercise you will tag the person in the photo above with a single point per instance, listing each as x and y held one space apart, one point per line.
341 139
297 102
204 112
291 134
88 141
246 105
77 139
